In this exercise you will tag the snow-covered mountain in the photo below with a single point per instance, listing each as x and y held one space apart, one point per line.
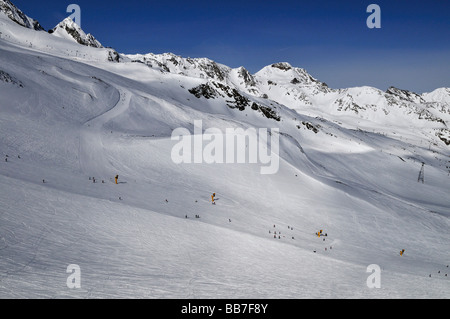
295 88
68 29
441 95
16 15
370 168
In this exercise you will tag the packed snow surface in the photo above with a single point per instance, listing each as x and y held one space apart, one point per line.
350 164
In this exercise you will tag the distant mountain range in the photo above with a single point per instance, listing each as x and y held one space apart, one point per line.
280 82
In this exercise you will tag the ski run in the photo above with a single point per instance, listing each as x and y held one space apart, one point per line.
87 178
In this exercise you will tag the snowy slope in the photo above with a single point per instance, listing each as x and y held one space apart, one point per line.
69 113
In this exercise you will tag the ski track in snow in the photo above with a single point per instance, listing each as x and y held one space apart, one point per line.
79 116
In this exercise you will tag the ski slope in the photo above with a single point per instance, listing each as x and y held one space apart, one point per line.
67 114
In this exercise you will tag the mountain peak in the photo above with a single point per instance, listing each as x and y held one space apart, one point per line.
68 29
441 95
16 15
283 72
69 21
284 66
405 95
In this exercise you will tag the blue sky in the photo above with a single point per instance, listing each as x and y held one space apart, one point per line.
330 39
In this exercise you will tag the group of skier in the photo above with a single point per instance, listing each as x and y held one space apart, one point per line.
319 233
7 156
278 235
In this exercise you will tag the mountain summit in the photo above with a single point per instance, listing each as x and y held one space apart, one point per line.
18 16
68 29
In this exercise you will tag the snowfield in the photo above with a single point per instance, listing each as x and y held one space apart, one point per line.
349 164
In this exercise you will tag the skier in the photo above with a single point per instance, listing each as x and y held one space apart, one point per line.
116 178
401 252
212 199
